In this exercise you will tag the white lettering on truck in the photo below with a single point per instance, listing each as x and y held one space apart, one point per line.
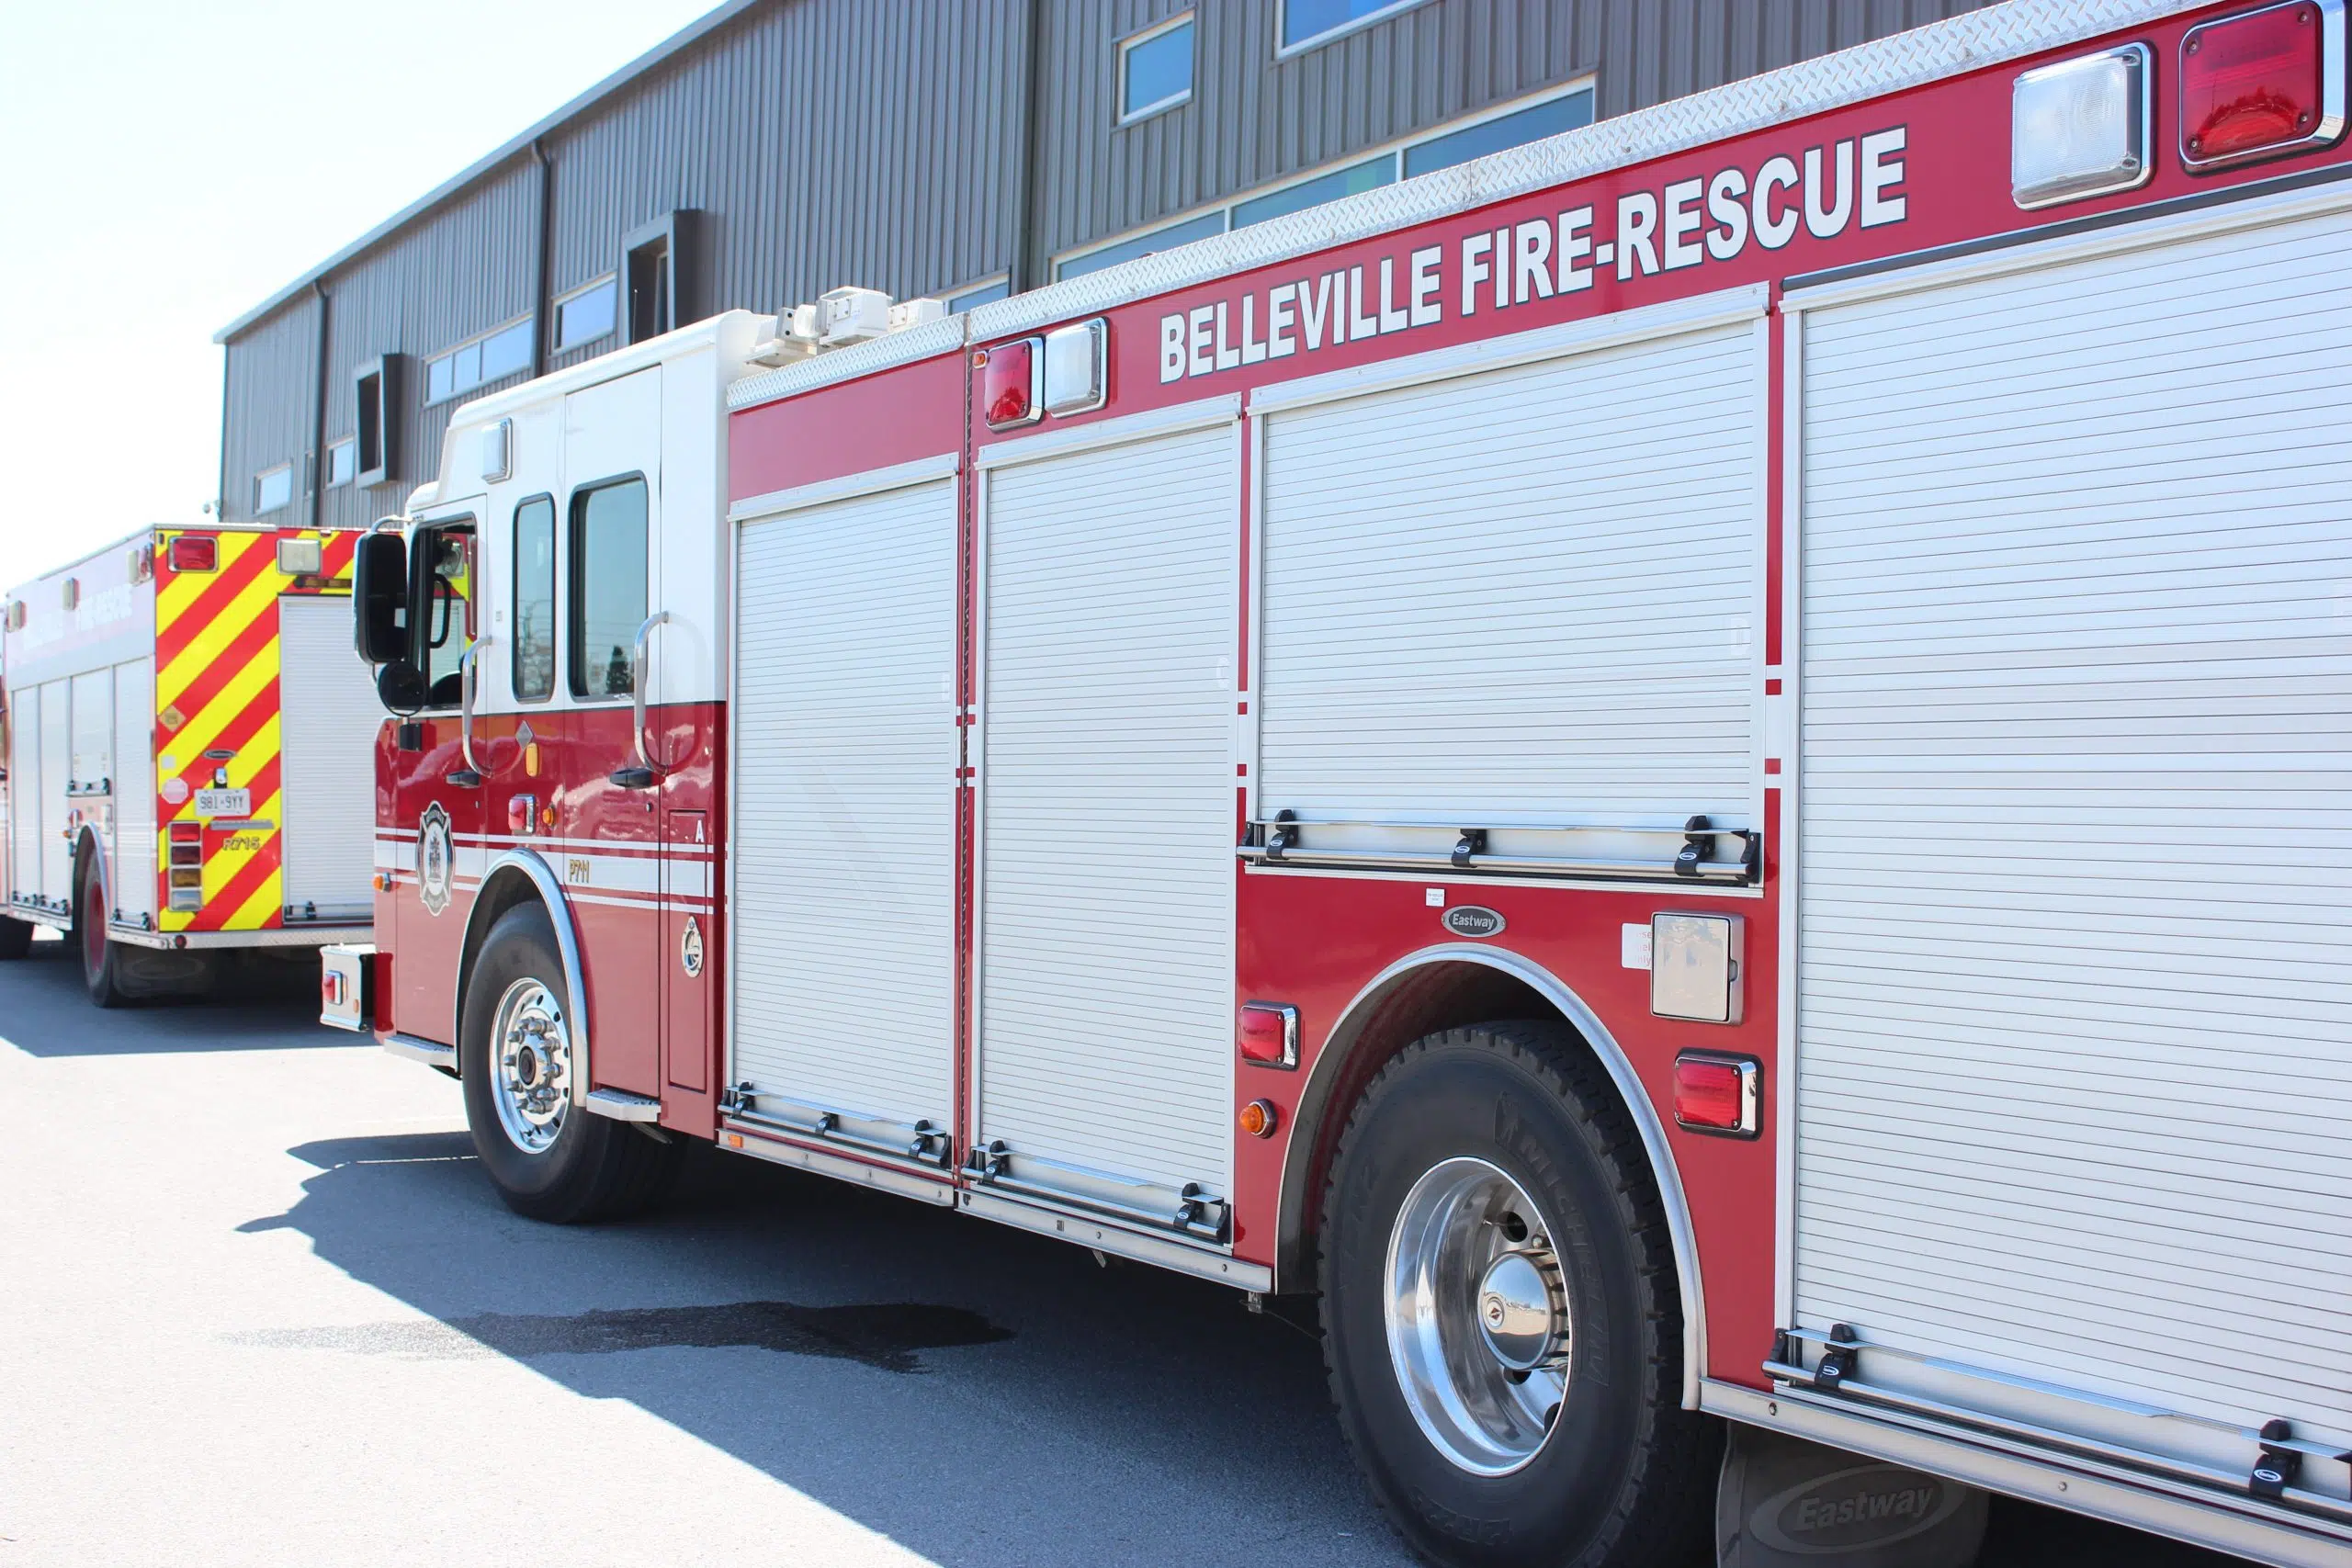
1826 190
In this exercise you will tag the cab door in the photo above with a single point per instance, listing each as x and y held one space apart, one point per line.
610 815
437 795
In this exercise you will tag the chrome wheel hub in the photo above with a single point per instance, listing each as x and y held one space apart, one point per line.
1480 1330
533 1065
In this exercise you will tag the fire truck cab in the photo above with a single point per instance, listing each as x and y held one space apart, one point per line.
1691 770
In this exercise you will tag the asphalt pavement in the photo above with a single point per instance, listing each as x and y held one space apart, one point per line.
258 1306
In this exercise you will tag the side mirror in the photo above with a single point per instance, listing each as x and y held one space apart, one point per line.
378 595
400 688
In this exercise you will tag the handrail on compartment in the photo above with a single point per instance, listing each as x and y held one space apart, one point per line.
1279 840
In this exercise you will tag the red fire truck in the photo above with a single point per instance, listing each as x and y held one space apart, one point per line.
1695 771
187 776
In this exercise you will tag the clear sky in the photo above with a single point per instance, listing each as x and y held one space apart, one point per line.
165 165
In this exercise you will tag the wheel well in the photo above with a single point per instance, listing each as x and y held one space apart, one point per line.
1418 1003
507 887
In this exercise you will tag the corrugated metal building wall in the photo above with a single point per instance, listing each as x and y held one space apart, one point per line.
832 142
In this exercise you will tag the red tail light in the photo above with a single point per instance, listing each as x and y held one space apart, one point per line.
1716 1093
196 552
2262 83
1267 1034
1010 394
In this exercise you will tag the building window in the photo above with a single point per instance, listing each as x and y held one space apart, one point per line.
534 599
608 570
981 293
1165 239
588 313
1367 175
1156 69
376 397
1302 24
488 358
272 489
1571 111
1473 136
342 462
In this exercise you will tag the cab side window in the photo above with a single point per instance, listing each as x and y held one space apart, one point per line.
447 612
534 599
608 586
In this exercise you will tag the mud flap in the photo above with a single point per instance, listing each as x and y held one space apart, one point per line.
1783 1503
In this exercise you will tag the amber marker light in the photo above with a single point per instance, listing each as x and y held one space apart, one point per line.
1259 1118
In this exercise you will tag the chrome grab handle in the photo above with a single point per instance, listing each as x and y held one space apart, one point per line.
466 711
636 684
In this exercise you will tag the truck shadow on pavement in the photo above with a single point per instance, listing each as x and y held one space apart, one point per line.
975 1393
50 1015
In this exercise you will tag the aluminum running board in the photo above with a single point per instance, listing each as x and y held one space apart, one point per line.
622 1106
431 1053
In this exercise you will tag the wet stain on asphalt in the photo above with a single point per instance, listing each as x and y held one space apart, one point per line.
884 1335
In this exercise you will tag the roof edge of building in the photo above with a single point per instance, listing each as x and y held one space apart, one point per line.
644 64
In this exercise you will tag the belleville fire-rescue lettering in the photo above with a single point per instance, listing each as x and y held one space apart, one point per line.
1825 189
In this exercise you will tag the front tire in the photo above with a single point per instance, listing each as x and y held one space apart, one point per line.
549 1159
1502 1325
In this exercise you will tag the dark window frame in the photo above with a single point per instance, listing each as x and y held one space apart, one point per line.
572 640
683 284
375 391
554 597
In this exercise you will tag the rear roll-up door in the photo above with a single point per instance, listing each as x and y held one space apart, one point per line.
328 720
2074 1027
1522 600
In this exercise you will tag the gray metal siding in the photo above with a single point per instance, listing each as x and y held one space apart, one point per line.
457 272
267 408
836 142
1254 119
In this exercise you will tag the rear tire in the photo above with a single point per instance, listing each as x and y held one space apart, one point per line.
15 939
1502 1325
102 962
549 1159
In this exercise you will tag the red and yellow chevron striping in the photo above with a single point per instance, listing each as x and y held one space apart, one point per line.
217 716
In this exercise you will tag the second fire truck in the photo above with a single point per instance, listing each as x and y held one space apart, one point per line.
1696 773
186 779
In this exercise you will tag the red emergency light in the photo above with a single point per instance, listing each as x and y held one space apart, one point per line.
1717 1093
1267 1034
1010 394
196 552
2260 84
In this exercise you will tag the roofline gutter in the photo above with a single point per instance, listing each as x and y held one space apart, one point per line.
675 44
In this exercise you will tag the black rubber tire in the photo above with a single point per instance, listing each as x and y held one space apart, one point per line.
102 960
1626 1476
15 939
597 1168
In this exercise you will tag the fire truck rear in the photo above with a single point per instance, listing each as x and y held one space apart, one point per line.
1694 773
187 756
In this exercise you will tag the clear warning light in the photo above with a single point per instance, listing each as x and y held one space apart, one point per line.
2080 128
2262 83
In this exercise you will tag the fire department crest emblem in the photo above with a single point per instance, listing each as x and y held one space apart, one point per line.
433 858
690 949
